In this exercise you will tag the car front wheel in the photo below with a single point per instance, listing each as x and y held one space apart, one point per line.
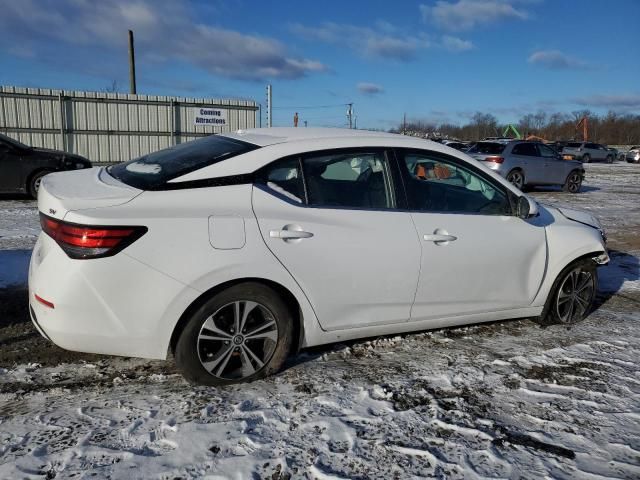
241 334
586 158
573 294
573 183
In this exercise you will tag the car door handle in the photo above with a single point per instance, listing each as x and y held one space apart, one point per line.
440 237
289 232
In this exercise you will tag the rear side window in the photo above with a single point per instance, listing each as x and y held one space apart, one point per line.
152 171
348 180
284 177
528 149
490 148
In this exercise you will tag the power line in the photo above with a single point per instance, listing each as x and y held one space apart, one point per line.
311 106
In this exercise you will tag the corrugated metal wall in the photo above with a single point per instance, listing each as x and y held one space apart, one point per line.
110 127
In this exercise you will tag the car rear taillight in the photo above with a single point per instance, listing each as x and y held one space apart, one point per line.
494 159
84 241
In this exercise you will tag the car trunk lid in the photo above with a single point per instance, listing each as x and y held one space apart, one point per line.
63 192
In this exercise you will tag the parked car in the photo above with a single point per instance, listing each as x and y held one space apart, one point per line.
633 155
454 144
526 163
235 250
22 167
588 152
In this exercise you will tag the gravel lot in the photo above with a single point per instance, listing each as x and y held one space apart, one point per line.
502 400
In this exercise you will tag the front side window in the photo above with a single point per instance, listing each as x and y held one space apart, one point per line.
437 185
547 152
348 180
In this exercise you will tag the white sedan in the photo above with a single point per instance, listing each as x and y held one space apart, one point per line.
235 250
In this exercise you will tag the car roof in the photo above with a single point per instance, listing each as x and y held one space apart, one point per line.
274 135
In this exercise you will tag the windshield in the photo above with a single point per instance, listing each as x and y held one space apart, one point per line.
12 141
574 145
490 148
155 169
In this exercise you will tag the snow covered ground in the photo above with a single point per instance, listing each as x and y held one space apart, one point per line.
502 400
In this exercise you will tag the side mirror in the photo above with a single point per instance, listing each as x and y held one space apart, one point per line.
526 208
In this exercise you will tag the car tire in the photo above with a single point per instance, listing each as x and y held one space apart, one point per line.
516 178
34 182
573 182
215 347
564 308
586 158
609 158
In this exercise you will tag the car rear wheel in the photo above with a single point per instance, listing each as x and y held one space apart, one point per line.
573 183
241 334
586 158
34 182
573 294
516 178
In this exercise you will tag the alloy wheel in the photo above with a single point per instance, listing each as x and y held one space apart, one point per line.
575 295
574 182
238 340
517 179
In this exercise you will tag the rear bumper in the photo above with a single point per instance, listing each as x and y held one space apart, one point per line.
113 306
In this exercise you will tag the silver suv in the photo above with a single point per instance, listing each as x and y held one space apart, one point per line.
587 152
529 163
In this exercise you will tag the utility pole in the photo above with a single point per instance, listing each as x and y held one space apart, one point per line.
404 124
132 64
269 107
350 114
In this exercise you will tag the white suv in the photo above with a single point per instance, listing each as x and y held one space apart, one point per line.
234 250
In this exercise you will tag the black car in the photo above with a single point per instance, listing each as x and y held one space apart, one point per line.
22 167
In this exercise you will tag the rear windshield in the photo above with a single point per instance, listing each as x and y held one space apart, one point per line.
574 145
490 148
156 169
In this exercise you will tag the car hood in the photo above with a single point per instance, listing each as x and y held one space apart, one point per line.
579 216
56 153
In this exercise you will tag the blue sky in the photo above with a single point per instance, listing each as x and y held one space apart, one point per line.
436 60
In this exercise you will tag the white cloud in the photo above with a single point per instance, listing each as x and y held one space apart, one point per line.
455 44
556 60
164 31
381 43
369 88
466 14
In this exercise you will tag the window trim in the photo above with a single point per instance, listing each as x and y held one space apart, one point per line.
399 154
398 197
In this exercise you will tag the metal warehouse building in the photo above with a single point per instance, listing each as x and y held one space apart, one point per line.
114 127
